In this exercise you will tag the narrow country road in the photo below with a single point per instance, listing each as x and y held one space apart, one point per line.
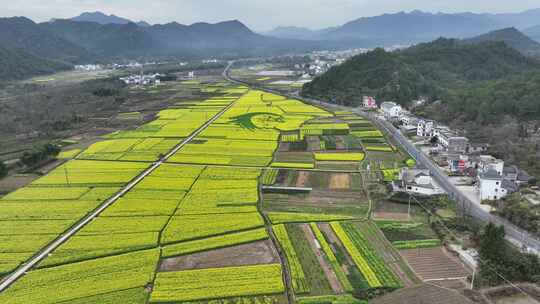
514 234
21 270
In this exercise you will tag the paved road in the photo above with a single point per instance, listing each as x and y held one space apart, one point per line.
514 234
21 270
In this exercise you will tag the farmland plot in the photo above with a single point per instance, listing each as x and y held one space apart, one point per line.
75 189
215 283
84 279
192 231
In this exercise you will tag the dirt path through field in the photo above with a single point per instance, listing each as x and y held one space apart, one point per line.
329 273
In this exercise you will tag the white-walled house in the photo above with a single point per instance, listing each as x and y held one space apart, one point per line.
391 110
409 120
425 128
488 162
490 185
416 182
450 141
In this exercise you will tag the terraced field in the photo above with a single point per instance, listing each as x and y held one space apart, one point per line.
201 227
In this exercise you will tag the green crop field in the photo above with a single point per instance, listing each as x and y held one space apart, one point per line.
290 217
299 280
371 265
196 228
207 284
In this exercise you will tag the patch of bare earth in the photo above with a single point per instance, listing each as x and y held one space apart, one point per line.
313 143
14 182
340 143
423 294
432 264
340 181
284 147
397 216
262 252
302 179
328 272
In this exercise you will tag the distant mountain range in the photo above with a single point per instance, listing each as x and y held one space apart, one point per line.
23 33
294 32
97 37
101 18
512 37
533 32
19 64
414 27
111 38
224 39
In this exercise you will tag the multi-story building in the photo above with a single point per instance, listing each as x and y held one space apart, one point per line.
391 110
490 185
369 102
425 128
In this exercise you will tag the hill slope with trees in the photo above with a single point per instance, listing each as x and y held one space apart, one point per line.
18 64
512 37
428 69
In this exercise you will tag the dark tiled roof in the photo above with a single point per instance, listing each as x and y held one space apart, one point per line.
490 174
510 186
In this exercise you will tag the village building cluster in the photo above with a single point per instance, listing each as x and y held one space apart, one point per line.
492 178
142 79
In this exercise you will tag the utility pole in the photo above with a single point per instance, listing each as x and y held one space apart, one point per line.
66 174
409 208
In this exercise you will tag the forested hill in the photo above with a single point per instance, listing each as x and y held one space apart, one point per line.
512 37
428 69
18 64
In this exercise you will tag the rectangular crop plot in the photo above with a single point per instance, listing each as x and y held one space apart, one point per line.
215 242
85 279
216 283
299 280
291 217
339 156
189 227
365 257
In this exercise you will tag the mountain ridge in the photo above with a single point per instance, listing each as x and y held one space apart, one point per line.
427 69
512 37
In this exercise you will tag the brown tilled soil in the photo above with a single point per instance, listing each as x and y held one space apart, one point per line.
340 181
313 143
434 264
262 252
391 216
301 180
340 143
328 272
14 182
423 294
284 147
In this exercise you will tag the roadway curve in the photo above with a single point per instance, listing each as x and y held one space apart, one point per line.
514 234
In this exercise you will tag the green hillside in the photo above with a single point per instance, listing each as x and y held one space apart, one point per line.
18 64
428 69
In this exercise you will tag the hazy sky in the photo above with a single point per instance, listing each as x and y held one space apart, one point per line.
257 14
